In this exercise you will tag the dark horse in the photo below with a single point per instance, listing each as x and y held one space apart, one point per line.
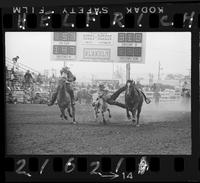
64 102
134 100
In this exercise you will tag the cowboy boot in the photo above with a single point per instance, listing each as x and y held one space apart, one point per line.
72 97
73 101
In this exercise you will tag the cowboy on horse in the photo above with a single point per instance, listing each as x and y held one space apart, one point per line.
66 78
103 93
185 89
111 98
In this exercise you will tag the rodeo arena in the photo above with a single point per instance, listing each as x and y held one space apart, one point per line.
55 111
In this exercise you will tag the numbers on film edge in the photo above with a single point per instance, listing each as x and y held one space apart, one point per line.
22 164
70 166
95 165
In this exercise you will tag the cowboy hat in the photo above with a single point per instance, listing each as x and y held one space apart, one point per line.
64 69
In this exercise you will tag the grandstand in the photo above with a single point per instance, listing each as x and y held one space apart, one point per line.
22 67
15 90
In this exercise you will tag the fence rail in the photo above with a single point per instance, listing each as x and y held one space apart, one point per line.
21 66
165 96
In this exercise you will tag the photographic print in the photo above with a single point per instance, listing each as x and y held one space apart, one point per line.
98 93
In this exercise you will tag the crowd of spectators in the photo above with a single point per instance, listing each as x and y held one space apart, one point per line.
37 88
27 87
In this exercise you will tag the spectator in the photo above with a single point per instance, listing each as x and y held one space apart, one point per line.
7 73
39 79
185 86
156 96
154 87
15 64
33 76
28 78
12 78
52 83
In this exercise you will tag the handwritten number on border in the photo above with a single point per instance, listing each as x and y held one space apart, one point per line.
96 165
22 163
68 165
44 165
119 164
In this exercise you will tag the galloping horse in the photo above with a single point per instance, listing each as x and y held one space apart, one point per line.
64 102
134 100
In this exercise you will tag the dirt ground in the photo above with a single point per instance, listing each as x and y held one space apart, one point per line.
38 129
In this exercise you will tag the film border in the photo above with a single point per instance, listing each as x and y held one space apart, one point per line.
191 169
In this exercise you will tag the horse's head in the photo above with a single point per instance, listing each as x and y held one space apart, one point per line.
130 85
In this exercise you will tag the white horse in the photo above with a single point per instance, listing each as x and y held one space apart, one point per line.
100 106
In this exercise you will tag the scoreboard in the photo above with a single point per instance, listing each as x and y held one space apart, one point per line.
125 47
131 47
64 50
63 46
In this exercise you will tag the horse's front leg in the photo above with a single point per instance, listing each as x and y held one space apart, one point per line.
61 116
62 109
73 114
104 121
96 113
109 112
133 115
127 113
69 112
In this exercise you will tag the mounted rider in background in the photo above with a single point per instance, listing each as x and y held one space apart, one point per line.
186 89
66 78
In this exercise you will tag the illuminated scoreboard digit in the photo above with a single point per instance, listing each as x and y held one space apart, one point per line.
64 50
121 37
121 51
138 37
64 36
131 47
137 51
64 46
72 50
130 37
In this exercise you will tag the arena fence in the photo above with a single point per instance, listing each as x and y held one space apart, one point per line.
165 96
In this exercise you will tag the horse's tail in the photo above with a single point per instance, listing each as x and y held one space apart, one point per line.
147 100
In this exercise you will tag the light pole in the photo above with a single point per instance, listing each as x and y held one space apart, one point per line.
128 68
112 70
159 69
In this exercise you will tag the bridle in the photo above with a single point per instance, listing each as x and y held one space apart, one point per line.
129 84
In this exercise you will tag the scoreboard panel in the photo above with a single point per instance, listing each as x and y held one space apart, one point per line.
63 46
131 47
64 36
125 47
